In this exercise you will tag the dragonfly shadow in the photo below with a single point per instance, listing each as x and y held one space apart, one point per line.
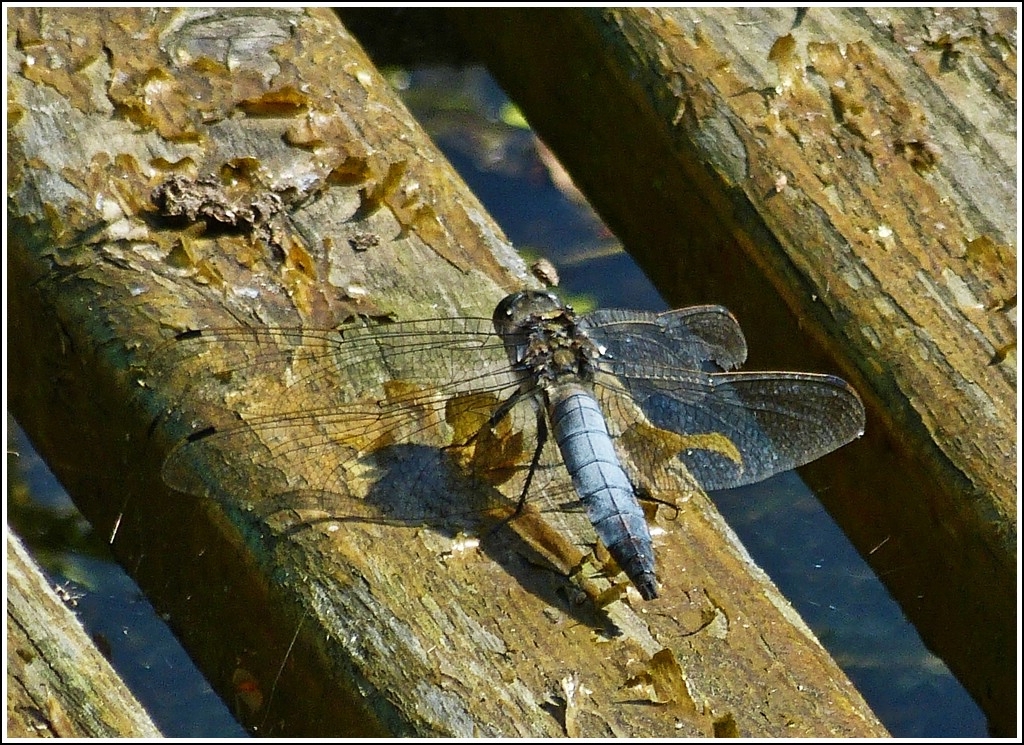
416 488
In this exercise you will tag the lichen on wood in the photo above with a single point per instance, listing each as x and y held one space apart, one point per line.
309 625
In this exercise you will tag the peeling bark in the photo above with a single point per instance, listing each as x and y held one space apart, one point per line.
250 168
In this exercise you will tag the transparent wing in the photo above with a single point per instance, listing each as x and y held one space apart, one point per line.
684 339
728 429
325 415
458 354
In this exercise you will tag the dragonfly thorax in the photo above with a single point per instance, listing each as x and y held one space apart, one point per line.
543 338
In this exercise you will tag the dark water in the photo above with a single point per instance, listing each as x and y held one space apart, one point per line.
780 521
110 606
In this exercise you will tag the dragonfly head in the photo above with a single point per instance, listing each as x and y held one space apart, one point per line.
526 306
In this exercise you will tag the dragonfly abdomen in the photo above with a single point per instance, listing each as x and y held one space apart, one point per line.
601 483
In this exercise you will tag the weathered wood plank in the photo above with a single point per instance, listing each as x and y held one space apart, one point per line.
58 683
862 161
326 201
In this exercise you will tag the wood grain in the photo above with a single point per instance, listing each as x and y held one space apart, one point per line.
247 168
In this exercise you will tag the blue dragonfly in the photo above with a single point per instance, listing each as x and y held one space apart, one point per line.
623 402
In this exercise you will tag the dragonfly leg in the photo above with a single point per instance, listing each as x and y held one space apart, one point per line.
542 438
644 496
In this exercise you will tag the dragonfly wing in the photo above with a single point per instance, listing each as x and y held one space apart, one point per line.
457 354
731 429
328 414
363 463
686 339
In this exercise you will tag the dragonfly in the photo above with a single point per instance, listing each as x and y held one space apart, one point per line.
621 404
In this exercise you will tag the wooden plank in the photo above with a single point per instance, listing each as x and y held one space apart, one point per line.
862 161
58 683
321 199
